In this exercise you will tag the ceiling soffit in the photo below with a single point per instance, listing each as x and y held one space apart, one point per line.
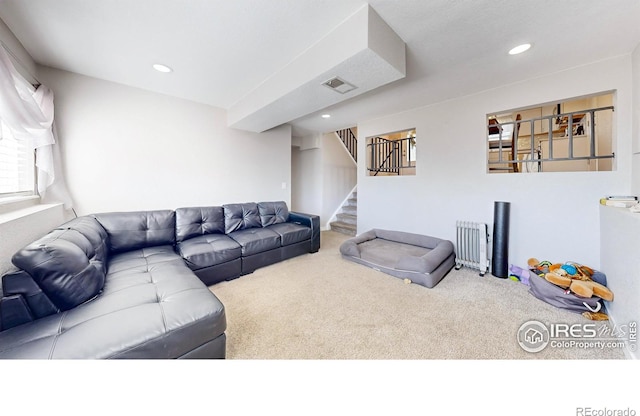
362 51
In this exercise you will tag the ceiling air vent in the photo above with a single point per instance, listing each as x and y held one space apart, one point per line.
339 85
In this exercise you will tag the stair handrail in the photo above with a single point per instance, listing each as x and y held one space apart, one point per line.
350 142
383 166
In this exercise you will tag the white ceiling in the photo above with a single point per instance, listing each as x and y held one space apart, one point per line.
221 50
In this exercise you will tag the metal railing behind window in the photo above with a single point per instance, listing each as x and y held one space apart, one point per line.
390 156
568 125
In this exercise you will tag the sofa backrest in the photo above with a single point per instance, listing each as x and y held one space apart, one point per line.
194 221
273 212
241 216
138 229
69 263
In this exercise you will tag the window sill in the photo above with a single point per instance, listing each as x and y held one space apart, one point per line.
15 203
12 209
8 217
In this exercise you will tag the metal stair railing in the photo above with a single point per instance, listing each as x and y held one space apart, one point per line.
390 156
385 156
350 142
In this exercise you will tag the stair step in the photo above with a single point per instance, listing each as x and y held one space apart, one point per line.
347 218
350 209
352 201
343 228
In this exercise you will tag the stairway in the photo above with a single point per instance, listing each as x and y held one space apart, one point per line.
347 218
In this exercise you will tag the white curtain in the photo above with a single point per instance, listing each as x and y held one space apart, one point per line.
27 114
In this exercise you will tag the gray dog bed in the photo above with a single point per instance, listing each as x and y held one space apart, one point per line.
422 259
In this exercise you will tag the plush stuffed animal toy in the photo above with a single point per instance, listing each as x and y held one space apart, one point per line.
576 278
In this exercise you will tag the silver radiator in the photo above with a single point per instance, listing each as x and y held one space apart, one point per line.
472 240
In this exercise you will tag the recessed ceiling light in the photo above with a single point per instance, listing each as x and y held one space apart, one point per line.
162 68
326 116
520 48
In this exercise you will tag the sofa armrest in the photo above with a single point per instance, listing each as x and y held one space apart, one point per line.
14 311
312 221
21 283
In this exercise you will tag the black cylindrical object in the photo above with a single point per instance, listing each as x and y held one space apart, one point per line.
500 258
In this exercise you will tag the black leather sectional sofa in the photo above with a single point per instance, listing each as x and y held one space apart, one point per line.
134 284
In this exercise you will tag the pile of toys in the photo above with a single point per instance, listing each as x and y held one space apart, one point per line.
577 281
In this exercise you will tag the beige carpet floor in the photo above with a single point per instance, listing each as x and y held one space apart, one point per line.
320 306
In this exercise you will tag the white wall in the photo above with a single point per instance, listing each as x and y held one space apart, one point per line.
306 176
554 216
323 175
635 181
620 241
129 149
620 233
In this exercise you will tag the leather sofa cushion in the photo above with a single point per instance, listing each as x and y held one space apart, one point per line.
208 250
273 212
69 263
141 258
291 233
192 222
152 306
135 230
256 240
241 216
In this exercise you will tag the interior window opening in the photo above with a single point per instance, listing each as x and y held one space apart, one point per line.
392 154
574 135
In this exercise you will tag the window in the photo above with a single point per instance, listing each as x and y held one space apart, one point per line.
392 154
17 166
567 136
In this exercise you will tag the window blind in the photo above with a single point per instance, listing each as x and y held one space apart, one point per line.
17 169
